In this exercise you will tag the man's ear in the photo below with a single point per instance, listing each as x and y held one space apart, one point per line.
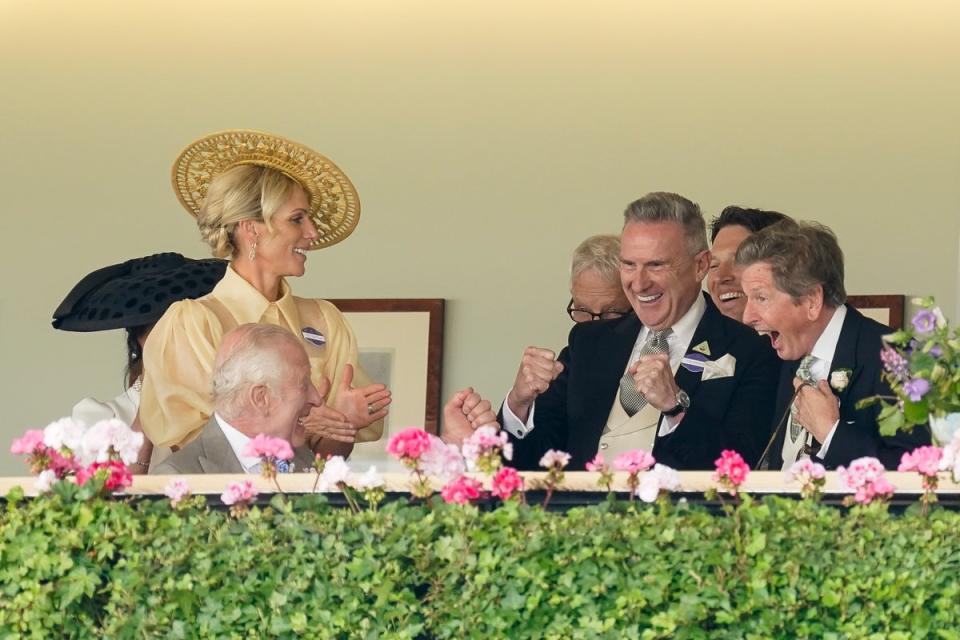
701 263
260 399
813 303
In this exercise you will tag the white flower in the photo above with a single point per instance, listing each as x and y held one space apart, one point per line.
951 457
45 480
839 379
442 460
554 458
65 432
941 319
335 471
660 478
177 489
370 480
99 439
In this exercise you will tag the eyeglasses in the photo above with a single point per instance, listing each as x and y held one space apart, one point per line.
582 315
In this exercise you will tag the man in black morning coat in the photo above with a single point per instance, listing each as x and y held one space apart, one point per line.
676 376
793 278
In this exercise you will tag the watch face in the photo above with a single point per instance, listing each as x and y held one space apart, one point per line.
683 399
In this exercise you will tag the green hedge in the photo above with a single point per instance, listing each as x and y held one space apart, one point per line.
301 568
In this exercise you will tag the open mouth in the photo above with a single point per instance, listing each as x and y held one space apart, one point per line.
649 299
732 295
302 252
773 335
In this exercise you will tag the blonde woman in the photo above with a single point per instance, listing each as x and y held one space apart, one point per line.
263 202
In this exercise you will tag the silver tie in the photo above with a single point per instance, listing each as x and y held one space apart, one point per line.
631 399
805 373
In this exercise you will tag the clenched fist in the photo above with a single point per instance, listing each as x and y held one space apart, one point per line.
538 368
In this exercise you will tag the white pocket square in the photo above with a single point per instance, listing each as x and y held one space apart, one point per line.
722 367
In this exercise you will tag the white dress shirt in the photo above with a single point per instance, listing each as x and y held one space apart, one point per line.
238 442
678 342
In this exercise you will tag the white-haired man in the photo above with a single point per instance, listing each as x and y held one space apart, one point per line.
260 385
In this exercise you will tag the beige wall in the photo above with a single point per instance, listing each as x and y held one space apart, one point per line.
485 138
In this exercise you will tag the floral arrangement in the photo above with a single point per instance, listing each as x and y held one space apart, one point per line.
922 365
70 450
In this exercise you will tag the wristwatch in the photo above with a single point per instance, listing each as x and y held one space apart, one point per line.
683 403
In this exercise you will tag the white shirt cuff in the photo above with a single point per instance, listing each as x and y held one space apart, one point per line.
826 441
669 424
515 425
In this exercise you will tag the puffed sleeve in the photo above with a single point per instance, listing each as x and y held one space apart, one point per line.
178 357
341 350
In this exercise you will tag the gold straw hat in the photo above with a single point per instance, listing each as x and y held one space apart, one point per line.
334 204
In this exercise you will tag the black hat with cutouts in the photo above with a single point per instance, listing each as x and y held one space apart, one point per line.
135 292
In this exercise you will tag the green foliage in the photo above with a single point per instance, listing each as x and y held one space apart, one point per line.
300 568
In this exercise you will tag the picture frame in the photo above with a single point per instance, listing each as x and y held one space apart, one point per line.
886 309
401 345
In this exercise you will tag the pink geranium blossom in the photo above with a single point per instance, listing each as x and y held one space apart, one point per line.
115 473
731 471
264 446
177 489
811 476
461 491
28 443
238 493
923 460
408 445
483 449
598 464
442 460
506 482
864 478
633 461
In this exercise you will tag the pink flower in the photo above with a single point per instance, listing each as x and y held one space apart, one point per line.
28 443
264 446
731 471
923 460
554 459
409 445
442 460
177 489
461 491
506 482
482 450
239 493
115 474
633 461
662 478
805 470
864 478
598 464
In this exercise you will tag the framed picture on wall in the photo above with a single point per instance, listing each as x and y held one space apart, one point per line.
885 309
401 346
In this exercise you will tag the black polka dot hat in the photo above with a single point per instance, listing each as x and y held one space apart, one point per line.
135 292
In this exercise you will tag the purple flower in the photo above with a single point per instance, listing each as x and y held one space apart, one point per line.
895 364
936 351
917 388
925 321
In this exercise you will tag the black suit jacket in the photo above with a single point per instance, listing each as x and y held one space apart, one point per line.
725 413
857 435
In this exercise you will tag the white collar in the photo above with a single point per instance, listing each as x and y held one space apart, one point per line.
683 329
238 442
826 345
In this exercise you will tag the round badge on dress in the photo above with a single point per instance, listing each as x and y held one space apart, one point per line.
313 336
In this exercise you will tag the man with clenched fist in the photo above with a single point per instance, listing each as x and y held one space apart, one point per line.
675 376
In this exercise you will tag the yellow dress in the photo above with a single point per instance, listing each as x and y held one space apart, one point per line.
178 356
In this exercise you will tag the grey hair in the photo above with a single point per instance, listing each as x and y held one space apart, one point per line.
248 357
661 206
801 255
600 253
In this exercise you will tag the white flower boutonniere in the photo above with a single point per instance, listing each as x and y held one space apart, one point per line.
839 379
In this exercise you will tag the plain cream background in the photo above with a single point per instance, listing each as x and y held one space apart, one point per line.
485 138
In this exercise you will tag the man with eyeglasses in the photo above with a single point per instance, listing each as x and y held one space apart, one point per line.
675 376
595 290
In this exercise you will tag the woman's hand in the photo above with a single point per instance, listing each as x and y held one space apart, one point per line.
361 406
